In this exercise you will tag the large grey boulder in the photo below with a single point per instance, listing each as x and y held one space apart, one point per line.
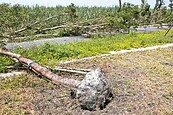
94 90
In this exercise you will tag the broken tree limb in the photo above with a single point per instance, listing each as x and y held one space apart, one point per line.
38 22
6 36
70 70
168 30
72 25
42 70
78 69
52 28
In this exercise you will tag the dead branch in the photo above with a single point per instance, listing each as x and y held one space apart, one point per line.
6 36
72 26
52 28
168 30
71 70
78 69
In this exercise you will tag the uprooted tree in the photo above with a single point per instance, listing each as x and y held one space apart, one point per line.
92 92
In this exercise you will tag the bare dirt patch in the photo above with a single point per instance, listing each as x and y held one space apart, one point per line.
141 83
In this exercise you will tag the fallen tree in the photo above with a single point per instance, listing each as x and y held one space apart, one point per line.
92 92
29 26
41 70
91 27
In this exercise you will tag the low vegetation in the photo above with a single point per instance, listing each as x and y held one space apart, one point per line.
49 54
5 61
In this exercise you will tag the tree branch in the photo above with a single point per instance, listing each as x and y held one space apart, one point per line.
38 22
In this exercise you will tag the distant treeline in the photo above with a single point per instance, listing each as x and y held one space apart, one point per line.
34 19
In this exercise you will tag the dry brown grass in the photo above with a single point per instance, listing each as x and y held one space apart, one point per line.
141 83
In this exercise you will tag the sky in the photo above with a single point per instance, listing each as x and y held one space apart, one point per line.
76 2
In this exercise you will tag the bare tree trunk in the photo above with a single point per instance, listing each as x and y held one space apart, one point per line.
143 1
120 5
42 70
160 4
72 26
93 91
156 5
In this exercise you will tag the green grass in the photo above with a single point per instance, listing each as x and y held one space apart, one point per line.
50 54
4 61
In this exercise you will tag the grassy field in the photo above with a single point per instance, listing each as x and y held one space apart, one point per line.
50 54
141 84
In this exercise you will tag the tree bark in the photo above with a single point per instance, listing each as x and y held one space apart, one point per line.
160 4
42 70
